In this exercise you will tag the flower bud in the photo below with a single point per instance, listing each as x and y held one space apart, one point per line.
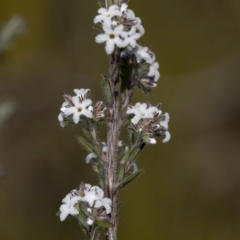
148 83
90 221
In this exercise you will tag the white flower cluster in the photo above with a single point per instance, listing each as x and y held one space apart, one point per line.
142 111
149 122
145 54
93 196
120 26
76 107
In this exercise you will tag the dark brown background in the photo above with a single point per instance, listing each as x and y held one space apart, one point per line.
191 188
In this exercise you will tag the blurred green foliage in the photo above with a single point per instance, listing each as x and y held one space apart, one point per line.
191 188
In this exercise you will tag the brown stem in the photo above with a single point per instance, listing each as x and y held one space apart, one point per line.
113 132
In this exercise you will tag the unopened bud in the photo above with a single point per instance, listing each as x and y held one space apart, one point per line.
68 99
148 83
81 189
89 210
90 221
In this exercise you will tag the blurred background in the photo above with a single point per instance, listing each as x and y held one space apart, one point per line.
191 186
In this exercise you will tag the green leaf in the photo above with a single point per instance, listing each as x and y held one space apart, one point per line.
121 173
129 179
143 68
144 89
103 221
86 144
89 124
87 134
106 90
83 225
125 157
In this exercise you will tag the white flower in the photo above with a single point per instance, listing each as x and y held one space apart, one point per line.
135 168
94 196
130 37
61 119
152 140
141 53
80 108
167 137
90 221
105 15
81 92
141 111
130 14
124 7
111 37
103 202
139 26
164 123
90 196
61 114
153 71
89 157
67 208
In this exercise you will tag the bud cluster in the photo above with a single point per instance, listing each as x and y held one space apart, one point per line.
120 27
88 203
79 107
149 122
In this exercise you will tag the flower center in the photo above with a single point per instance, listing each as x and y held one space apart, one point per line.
143 114
79 109
111 36
108 15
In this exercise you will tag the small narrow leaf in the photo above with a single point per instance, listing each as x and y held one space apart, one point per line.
83 225
121 173
129 179
104 224
86 144
106 90
87 134
143 68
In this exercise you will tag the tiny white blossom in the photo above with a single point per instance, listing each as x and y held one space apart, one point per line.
103 202
81 92
152 140
89 157
124 7
166 120
80 108
90 196
111 37
167 137
139 26
105 15
130 37
67 208
90 221
89 210
141 53
153 71
135 168
128 12
94 196
141 111
61 119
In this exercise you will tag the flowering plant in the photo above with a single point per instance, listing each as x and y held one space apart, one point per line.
130 66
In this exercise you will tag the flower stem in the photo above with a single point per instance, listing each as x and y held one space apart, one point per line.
112 141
